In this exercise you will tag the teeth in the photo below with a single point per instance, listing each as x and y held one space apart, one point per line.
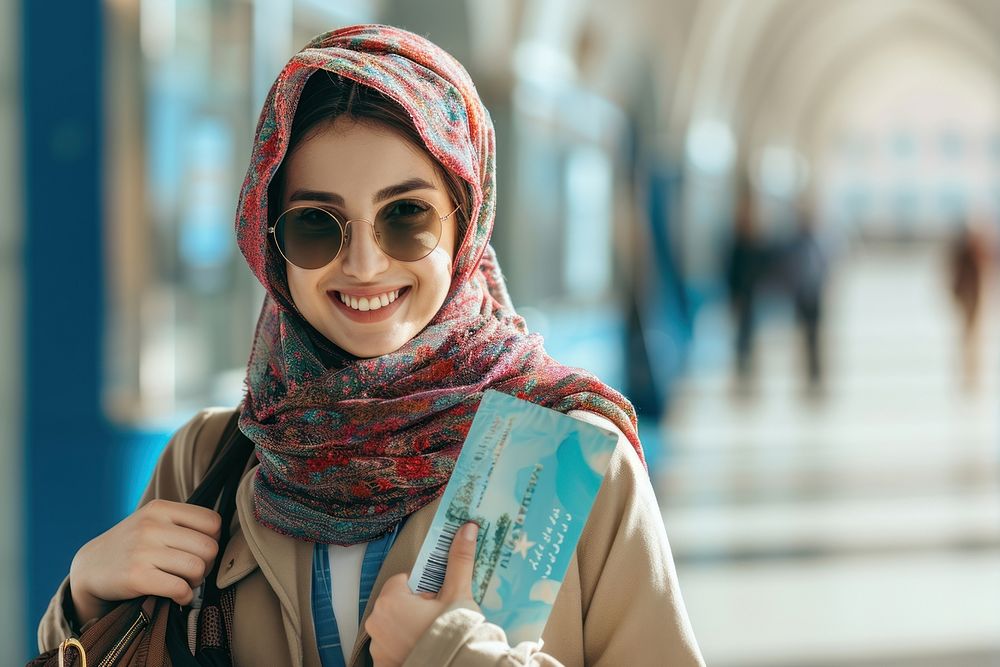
366 303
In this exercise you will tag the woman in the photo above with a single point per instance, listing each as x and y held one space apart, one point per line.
366 214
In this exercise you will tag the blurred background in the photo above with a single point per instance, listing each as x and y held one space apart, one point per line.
771 223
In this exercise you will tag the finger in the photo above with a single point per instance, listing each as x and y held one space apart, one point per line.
205 521
164 584
194 517
375 650
461 559
395 582
188 566
193 542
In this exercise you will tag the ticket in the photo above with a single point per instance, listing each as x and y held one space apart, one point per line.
528 476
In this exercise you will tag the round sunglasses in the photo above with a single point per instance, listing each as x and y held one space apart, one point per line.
311 237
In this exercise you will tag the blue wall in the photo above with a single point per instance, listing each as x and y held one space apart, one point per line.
70 489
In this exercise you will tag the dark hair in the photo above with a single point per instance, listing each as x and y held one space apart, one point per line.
327 97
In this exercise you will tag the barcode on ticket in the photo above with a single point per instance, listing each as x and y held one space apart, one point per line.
437 561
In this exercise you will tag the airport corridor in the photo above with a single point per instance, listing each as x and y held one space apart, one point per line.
857 527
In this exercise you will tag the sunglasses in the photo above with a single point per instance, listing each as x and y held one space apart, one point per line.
311 237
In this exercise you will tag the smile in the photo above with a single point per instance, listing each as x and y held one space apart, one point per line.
371 307
366 303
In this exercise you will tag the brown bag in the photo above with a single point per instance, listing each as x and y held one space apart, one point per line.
151 631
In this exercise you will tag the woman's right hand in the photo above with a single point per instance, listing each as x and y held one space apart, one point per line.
164 548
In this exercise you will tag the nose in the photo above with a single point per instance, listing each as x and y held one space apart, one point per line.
363 258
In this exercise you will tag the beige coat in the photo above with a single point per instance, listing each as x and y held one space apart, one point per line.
619 604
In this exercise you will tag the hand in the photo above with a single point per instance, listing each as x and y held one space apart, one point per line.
399 616
163 548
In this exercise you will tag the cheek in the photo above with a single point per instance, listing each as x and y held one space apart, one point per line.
438 271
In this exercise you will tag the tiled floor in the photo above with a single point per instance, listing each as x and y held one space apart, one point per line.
857 528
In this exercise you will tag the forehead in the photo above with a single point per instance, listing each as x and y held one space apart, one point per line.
355 159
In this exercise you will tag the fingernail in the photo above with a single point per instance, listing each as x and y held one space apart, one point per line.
470 531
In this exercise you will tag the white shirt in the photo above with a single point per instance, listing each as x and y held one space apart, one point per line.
345 591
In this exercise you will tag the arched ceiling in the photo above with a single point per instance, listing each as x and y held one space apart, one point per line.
770 68
900 62
802 82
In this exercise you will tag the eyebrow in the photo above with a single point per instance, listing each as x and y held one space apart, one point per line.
408 185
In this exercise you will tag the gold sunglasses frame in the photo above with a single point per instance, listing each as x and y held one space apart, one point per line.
272 230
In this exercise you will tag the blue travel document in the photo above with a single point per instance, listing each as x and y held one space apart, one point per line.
528 476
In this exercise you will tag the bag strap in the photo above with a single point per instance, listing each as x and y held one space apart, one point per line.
219 484
230 458
221 481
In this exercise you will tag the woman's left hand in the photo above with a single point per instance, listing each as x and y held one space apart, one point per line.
399 616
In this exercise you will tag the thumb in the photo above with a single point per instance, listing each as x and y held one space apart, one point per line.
461 559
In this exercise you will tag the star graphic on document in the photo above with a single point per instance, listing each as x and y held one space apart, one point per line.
522 545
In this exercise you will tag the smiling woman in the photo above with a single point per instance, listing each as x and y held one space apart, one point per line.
366 214
354 167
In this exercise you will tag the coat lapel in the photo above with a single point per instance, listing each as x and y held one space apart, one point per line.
237 560
286 563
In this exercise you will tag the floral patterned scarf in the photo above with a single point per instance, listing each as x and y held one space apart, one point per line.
348 451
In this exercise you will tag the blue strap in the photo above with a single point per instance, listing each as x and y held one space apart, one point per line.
327 633
331 652
374 557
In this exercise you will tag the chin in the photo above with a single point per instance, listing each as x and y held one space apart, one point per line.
370 349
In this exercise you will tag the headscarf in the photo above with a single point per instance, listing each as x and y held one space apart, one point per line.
346 452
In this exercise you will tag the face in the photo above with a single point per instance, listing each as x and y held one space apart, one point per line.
347 168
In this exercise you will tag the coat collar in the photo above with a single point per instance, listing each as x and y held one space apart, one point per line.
286 563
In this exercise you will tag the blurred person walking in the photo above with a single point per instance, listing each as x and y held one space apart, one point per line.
807 268
969 264
744 264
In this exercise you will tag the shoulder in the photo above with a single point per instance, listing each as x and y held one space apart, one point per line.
203 438
188 454
625 465
626 501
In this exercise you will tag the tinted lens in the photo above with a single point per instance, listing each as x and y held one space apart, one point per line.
309 238
408 229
